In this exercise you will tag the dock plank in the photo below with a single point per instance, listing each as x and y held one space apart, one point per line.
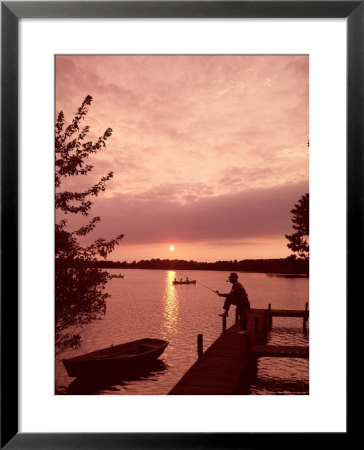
288 313
286 351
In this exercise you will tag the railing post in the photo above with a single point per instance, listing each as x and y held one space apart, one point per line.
305 317
223 324
269 316
200 344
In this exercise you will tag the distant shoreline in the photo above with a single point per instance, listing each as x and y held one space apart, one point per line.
273 274
282 266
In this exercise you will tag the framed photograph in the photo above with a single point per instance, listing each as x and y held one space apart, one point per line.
210 126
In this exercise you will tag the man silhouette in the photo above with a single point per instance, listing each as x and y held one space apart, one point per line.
237 296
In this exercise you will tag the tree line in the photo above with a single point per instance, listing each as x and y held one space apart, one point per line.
289 265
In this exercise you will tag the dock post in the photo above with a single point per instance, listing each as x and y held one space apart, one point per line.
305 317
252 366
256 325
200 344
224 324
269 316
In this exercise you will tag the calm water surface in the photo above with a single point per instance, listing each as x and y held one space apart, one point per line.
145 304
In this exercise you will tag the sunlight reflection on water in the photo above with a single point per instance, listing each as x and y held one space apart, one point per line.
171 306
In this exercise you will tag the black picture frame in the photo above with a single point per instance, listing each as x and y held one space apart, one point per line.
11 12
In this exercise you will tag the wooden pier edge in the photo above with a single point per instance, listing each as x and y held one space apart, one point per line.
227 366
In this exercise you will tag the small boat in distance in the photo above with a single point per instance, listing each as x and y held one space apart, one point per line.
117 276
184 282
117 358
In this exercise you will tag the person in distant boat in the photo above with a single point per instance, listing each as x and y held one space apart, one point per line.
187 279
237 296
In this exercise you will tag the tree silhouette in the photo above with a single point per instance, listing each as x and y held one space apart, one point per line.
298 241
79 287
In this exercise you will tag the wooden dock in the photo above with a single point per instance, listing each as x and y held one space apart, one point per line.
226 366
219 370
222 369
281 351
287 313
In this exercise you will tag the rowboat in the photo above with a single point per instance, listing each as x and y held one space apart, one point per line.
96 385
184 282
116 358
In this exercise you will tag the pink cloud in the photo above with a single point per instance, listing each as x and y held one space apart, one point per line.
157 218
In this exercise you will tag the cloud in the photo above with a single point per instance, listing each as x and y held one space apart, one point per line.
256 213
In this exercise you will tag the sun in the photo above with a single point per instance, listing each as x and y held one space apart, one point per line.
171 248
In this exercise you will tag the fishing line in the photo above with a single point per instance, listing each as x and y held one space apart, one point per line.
207 287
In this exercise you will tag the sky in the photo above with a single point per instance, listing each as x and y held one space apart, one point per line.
209 152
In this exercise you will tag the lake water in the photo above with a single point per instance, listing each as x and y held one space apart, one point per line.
145 304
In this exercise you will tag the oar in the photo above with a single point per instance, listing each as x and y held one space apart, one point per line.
216 292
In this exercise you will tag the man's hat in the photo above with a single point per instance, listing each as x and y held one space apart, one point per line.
234 275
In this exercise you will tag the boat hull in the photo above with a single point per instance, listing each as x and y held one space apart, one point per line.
184 282
116 359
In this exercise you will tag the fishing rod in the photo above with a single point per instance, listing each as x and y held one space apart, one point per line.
216 292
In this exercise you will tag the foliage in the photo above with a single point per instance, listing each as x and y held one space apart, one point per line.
290 265
79 288
299 241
